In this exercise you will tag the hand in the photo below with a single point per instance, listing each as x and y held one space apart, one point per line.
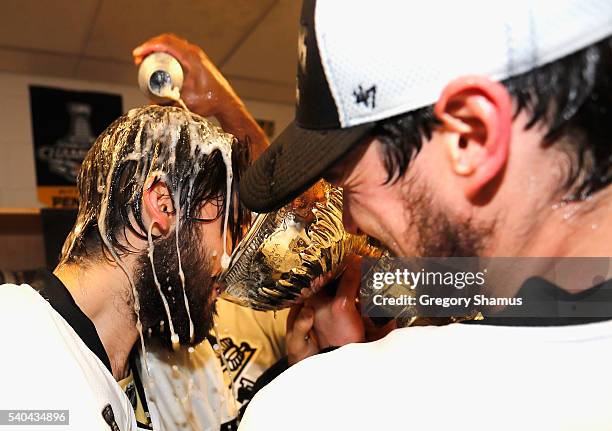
206 91
337 319
325 320
301 339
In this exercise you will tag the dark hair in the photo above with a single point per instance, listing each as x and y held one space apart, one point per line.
168 143
571 96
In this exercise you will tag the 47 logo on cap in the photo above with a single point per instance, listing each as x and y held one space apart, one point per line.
366 97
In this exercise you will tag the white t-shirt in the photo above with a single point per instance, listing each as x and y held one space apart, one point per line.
457 377
45 365
191 390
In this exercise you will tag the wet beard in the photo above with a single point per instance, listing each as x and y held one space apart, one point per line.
198 287
435 233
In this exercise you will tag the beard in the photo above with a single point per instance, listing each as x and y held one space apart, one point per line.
198 289
434 232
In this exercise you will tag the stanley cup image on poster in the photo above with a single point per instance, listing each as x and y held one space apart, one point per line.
64 126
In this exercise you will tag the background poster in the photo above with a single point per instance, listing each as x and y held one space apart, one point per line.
64 126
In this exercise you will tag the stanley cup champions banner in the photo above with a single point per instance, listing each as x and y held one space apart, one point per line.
64 126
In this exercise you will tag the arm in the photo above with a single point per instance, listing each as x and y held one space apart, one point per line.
326 321
206 91
322 324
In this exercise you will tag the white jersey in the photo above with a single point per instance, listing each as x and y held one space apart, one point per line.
459 377
192 391
45 365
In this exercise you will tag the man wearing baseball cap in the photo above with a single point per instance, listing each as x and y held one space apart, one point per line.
473 128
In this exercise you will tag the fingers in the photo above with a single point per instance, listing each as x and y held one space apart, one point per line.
348 288
164 39
301 342
293 313
303 323
167 42
149 47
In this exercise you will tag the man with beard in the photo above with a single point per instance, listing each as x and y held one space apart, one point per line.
219 376
456 129
158 213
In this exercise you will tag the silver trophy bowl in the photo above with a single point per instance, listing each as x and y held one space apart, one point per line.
286 251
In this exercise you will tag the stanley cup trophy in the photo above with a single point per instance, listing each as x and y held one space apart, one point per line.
294 248
286 251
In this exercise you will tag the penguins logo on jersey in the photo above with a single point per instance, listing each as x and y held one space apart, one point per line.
237 356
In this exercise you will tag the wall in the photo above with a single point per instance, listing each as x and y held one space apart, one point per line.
17 173
21 244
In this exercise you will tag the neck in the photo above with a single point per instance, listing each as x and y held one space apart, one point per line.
578 229
103 293
581 229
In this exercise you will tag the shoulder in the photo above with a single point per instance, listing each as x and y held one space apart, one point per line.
20 304
12 293
48 365
33 329
352 378
392 382
234 315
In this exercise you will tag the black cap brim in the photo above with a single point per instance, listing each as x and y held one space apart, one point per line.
294 162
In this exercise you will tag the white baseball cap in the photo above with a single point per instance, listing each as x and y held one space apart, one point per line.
361 61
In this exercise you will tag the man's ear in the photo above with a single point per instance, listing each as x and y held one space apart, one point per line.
157 206
476 116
